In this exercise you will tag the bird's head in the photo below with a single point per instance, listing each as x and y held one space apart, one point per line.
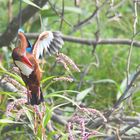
19 53
20 56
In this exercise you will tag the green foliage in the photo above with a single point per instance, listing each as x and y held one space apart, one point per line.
31 3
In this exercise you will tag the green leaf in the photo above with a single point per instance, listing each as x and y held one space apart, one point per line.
55 94
2 121
16 77
51 134
46 79
32 4
73 9
48 13
47 117
83 94
29 116
105 81
11 94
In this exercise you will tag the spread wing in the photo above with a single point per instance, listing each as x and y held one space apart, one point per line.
49 42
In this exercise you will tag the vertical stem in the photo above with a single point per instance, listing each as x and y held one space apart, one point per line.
20 13
62 15
135 18
131 47
41 23
10 9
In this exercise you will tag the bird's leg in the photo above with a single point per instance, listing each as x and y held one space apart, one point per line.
28 94
38 93
37 111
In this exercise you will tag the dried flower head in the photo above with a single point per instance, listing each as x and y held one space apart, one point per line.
63 63
91 111
19 114
66 61
15 70
12 106
19 102
15 83
78 125
9 109
68 79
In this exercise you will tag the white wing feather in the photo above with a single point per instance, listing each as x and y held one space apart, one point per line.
48 41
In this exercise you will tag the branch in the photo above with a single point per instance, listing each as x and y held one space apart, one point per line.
85 21
126 119
112 41
114 137
13 26
130 138
84 41
11 31
124 137
124 96
6 38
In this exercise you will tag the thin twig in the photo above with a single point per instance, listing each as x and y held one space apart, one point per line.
58 14
123 96
131 46
62 15
123 131
85 21
135 18
97 34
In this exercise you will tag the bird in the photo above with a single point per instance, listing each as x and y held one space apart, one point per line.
26 57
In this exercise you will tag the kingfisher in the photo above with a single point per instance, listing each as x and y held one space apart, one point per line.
26 58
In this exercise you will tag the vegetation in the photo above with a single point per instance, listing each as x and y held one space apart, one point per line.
95 95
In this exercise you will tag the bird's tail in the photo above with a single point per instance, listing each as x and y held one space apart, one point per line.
36 98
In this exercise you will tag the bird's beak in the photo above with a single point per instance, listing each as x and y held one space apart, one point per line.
26 61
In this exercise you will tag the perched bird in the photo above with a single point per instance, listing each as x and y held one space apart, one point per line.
26 58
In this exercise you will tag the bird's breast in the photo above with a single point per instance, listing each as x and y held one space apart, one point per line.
25 69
